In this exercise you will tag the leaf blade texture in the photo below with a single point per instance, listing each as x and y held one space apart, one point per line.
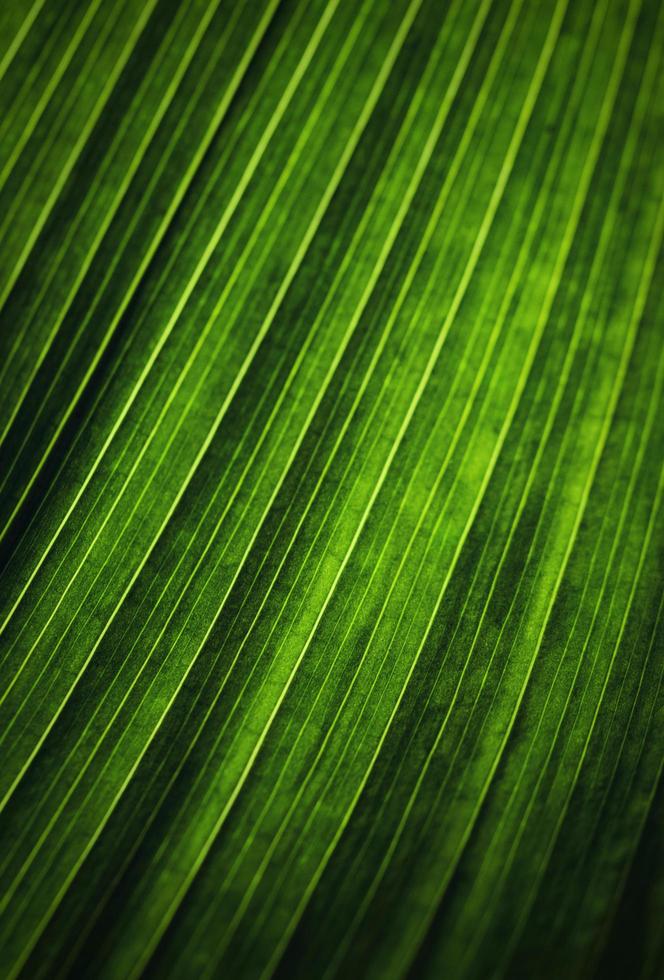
331 485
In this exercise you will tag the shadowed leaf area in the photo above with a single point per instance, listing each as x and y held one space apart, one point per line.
331 489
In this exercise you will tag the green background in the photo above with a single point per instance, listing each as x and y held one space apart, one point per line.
331 479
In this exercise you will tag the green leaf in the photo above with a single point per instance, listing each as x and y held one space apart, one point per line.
331 507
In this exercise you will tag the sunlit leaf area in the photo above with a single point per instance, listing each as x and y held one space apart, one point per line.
331 489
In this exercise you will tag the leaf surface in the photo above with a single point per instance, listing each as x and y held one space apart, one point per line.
331 479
